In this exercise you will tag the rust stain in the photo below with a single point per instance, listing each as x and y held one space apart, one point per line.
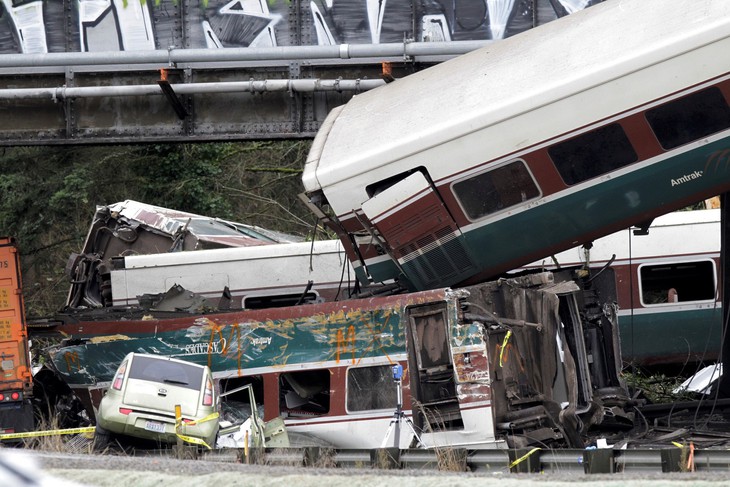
345 341
108 338
72 360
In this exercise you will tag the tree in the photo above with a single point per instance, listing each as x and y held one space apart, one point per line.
51 193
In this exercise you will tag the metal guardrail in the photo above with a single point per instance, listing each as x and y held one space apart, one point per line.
681 457
684 458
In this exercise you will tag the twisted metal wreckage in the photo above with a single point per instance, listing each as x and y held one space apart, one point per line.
512 362
452 196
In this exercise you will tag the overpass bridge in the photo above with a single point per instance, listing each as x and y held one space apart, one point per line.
119 71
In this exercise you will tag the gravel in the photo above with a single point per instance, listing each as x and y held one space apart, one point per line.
115 471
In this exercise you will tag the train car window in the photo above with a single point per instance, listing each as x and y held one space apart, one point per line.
677 282
305 393
689 118
592 154
380 186
280 300
431 341
495 190
371 388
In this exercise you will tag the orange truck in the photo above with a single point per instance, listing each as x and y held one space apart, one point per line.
16 380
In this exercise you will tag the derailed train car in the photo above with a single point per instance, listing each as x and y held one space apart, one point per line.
598 121
512 362
669 286
133 249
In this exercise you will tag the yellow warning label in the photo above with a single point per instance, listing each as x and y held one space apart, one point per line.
5 295
6 329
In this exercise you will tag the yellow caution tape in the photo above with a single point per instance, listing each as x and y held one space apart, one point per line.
194 441
32 434
523 457
203 420
189 439
91 429
504 345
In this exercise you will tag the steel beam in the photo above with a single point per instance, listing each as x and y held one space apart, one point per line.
173 56
252 86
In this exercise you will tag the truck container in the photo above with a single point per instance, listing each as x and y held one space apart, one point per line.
16 380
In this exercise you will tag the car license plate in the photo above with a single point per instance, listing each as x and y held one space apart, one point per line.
154 426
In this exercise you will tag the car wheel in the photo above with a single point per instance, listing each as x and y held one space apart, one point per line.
102 438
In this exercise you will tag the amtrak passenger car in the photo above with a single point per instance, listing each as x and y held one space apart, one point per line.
552 138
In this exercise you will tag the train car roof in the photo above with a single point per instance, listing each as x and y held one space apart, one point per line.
233 254
513 76
687 218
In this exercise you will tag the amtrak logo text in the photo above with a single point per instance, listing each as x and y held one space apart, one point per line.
686 178
261 341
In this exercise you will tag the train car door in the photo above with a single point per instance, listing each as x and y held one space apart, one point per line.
419 233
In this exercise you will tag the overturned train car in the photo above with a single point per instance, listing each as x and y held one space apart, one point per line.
133 249
513 362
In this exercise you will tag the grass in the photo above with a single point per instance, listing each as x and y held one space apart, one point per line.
448 458
58 443
451 459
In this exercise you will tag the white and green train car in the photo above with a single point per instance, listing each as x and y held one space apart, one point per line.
555 137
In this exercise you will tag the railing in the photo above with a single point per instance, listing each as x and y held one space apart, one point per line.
683 458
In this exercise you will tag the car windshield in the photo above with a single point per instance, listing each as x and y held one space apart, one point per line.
166 371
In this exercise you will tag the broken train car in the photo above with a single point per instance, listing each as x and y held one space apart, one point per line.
508 363
133 249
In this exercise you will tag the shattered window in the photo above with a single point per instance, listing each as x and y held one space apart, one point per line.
677 282
236 404
305 393
592 154
689 118
495 190
370 388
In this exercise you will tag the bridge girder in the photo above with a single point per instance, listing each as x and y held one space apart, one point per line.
93 96
70 99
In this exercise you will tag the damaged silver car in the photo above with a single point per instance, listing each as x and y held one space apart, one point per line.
142 399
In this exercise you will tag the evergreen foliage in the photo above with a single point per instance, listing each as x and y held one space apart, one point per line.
50 194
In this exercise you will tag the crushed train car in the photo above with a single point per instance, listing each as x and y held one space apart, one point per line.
514 362
134 249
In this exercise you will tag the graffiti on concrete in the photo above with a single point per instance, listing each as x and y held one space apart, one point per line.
39 26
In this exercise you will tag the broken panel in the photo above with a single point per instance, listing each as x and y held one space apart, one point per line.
552 357
433 386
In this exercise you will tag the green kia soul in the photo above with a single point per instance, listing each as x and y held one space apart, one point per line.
142 397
